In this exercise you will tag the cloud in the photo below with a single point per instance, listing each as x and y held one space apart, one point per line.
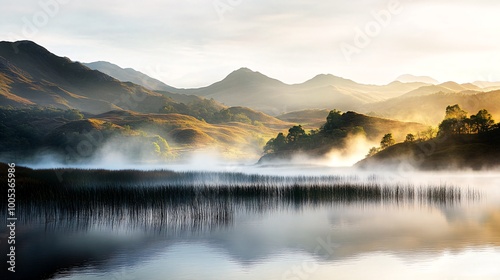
196 43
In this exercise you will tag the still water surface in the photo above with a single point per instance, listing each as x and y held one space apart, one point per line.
410 239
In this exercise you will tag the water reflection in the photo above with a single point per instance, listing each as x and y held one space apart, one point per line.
251 231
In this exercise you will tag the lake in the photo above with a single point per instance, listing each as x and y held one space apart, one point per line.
324 224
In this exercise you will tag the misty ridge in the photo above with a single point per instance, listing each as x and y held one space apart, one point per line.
59 112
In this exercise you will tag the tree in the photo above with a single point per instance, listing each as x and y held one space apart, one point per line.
280 141
168 109
410 138
333 121
373 151
430 132
448 126
455 121
269 147
275 144
455 112
295 133
225 115
387 141
482 121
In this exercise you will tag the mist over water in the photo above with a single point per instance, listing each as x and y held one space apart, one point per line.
267 237
261 220
120 153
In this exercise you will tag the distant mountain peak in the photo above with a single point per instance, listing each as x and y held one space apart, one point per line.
26 46
449 83
129 75
408 78
245 71
328 80
246 75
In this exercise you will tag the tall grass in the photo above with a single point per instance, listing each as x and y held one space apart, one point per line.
161 199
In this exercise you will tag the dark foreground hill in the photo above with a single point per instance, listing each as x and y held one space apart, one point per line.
470 151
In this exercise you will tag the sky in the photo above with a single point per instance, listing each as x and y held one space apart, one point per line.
193 43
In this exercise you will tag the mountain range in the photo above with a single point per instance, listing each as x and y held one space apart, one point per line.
246 106
128 75
404 99
30 74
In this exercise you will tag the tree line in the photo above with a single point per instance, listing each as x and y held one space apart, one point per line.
455 122
332 133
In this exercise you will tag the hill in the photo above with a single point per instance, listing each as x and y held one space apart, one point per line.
255 90
128 75
73 136
256 116
376 127
427 109
30 74
335 134
369 93
407 78
487 85
448 87
308 118
474 151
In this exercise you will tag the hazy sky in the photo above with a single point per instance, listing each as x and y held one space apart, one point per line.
191 43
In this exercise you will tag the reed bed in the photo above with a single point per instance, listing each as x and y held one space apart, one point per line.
196 200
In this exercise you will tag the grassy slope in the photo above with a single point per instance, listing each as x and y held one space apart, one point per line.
186 133
475 151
